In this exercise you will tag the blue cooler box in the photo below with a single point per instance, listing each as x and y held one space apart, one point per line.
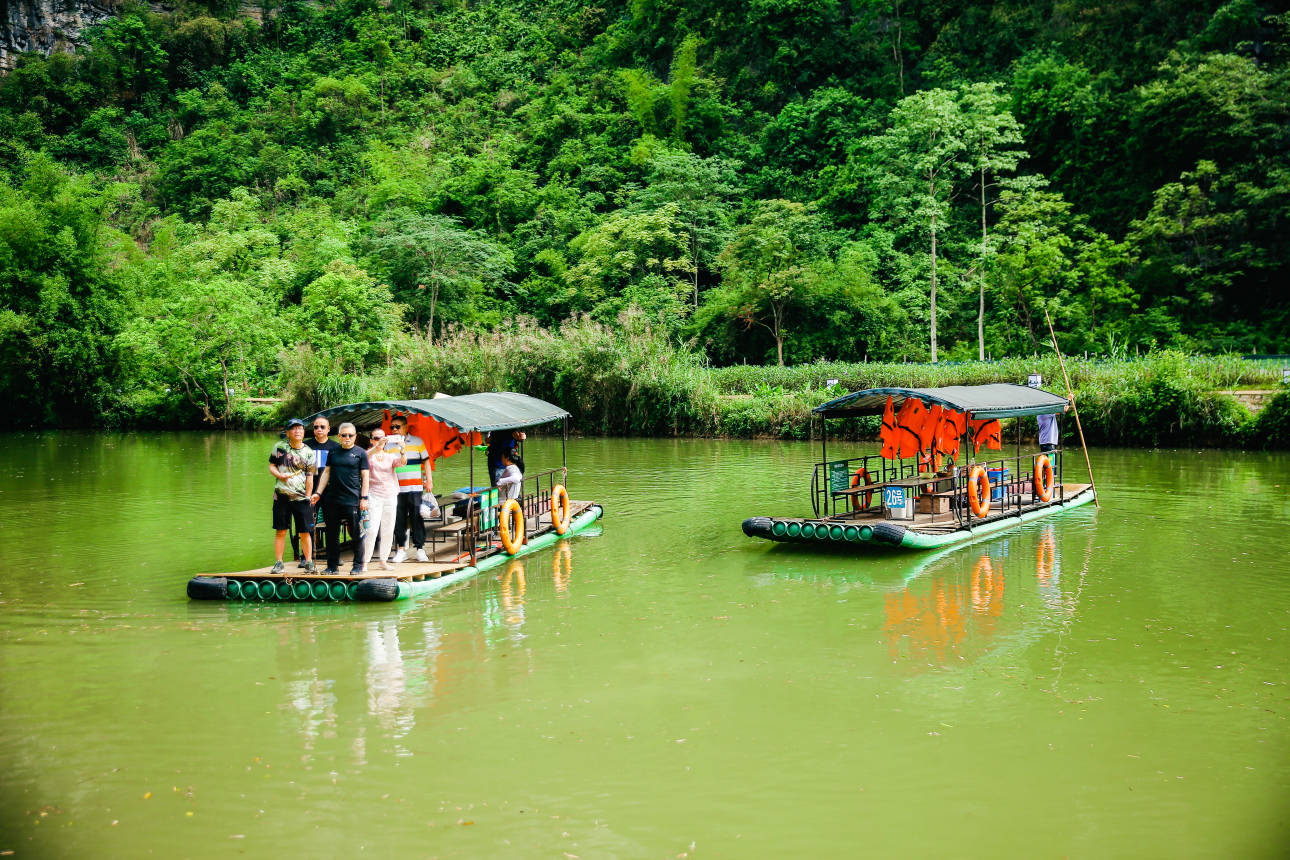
998 477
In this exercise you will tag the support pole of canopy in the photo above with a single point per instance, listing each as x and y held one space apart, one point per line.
1070 395
470 508
824 462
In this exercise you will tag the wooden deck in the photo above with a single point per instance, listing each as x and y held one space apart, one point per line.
946 522
445 559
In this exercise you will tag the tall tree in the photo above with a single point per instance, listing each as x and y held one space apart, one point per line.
703 191
431 258
767 265
993 138
918 163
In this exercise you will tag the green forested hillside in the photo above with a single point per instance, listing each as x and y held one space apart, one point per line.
202 202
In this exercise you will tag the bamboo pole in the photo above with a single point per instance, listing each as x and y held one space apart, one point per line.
1070 395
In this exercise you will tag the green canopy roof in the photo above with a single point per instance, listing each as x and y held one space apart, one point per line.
493 410
999 400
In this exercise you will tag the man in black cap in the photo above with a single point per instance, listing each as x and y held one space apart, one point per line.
292 465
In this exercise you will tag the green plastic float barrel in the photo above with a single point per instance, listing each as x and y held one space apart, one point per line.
319 590
794 529
351 590
866 532
283 590
268 589
301 590
851 533
337 591
234 590
821 531
808 530
836 532
778 528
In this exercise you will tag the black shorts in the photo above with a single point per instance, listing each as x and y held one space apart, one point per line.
285 509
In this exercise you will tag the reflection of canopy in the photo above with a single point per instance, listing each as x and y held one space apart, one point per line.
494 410
999 400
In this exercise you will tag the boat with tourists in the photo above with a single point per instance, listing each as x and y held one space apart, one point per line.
473 528
928 487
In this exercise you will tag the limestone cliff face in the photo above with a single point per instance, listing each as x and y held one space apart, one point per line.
46 25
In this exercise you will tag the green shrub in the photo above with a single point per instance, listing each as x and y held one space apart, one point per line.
1271 427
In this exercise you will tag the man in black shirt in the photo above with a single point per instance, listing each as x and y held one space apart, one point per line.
322 448
345 481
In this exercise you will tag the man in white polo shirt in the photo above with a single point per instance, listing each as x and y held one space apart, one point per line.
415 478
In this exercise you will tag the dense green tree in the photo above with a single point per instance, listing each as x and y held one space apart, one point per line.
704 191
918 164
349 318
479 162
432 260
631 258
992 138
63 288
768 267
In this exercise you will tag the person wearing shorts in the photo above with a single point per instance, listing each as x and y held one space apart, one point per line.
292 466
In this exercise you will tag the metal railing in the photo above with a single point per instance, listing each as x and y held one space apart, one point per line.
825 499
485 522
1011 486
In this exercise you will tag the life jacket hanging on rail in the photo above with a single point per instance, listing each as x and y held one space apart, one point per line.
888 432
986 431
909 422
950 433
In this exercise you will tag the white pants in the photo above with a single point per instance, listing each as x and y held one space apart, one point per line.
380 516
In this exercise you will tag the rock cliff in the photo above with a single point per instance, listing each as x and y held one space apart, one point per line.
47 25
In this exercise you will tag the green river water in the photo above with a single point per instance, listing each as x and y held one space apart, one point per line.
1098 684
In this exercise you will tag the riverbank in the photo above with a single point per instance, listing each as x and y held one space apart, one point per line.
628 380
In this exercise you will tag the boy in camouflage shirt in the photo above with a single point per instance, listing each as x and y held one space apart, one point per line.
292 465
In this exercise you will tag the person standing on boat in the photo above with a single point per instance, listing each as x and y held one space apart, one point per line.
384 495
1049 433
322 447
415 478
292 465
348 478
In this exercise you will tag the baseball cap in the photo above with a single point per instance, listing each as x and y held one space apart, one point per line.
294 422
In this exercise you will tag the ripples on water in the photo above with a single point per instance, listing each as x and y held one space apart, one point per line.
1096 684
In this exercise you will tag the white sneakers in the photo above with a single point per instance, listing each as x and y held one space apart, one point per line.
402 556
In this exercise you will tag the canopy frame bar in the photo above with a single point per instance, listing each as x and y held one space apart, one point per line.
1028 401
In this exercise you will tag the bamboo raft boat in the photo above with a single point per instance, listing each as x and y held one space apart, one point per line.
911 495
458 546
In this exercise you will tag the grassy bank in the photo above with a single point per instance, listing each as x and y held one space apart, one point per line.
629 379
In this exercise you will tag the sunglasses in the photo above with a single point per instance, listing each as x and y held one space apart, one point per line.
320 426
347 435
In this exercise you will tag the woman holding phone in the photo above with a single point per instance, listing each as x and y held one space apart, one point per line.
384 455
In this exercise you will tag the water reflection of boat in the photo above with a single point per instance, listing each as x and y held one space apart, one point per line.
964 606
474 530
912 495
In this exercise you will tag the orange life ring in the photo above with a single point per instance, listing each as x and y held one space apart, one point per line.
861 474
512 526
1043 478
979 491
560 509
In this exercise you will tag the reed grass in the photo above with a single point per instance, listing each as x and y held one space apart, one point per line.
631 379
